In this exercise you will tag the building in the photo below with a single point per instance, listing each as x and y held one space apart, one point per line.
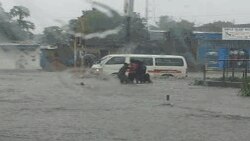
211 48
19 56
158 35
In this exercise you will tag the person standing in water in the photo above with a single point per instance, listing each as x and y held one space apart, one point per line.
122 74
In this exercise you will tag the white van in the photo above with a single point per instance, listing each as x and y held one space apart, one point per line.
157 65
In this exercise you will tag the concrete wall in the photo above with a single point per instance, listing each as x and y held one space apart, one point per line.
13 57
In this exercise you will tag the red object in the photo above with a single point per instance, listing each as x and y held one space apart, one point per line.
164 71
132 67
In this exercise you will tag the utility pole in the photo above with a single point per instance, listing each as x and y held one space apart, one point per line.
77 42
128 29
129 11
83 42
75 52
147 14
147 18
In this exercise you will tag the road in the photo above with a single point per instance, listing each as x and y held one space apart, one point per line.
53 106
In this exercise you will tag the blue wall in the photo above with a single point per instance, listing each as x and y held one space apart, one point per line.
223 54
212 43
64 55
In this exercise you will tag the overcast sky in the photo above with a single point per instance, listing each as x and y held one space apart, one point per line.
57 12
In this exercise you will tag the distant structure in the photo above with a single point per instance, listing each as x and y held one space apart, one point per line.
19 56
210 47
157 35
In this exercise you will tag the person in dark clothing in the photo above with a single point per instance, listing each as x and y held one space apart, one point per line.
140 72
137 71
146 78
132 70
143 76
122 74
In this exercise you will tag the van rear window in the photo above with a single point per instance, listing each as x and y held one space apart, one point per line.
145 60
169 62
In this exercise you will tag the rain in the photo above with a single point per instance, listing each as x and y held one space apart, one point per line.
124 71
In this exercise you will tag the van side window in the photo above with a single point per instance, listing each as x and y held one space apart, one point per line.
116 61
145 60
169 62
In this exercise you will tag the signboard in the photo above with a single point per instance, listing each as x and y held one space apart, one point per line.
236 33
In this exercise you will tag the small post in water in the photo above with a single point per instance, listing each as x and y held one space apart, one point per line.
167 102
204 73
167 98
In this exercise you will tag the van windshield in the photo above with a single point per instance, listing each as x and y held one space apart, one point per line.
116 61
169 62
100 61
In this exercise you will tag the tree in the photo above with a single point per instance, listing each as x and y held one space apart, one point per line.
9 30
166 23
55 35
72 25
215 26
177 28
94 21
22 12
27 25
180 33
138 30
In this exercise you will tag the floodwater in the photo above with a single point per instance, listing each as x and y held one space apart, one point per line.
54 106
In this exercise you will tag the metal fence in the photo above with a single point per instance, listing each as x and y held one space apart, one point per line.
231 68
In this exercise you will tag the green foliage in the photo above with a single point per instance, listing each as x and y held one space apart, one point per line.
138 29
22 12
245 90
179 34
215 26
198 82
26 25
177 28
231 79
11 30
94 21
72 26
54 35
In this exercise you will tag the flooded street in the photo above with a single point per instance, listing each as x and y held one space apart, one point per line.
50 51
38 106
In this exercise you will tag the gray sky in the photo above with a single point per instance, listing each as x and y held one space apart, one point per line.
57 12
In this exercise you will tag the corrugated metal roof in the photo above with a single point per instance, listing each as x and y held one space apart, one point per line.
207 35
17 44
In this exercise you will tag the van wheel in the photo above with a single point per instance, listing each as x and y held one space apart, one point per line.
167 75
